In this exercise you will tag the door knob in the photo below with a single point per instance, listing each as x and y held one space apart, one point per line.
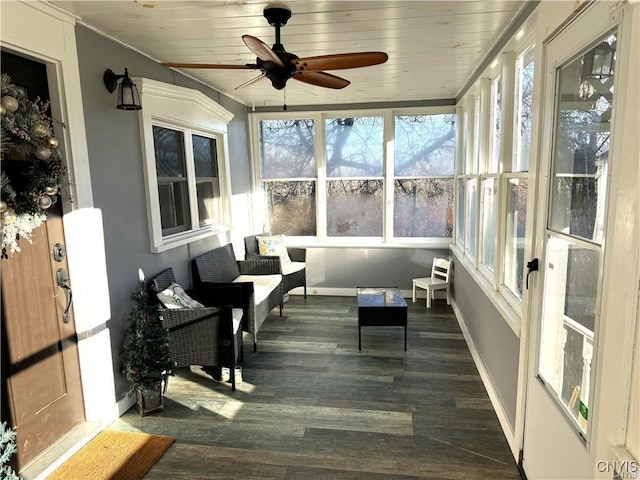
62 278
532 266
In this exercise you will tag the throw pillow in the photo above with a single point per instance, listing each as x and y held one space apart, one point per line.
175 297
274 245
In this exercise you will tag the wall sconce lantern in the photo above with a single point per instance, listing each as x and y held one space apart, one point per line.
598 63
128 98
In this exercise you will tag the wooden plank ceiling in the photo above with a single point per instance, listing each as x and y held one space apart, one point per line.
433 46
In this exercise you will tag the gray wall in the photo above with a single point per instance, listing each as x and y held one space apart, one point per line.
115 158
497 345
337 267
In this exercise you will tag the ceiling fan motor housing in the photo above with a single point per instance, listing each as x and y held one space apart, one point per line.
277 16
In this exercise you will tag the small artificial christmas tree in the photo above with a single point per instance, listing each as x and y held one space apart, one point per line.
146 362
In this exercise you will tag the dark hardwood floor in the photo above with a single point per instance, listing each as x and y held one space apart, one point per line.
312 406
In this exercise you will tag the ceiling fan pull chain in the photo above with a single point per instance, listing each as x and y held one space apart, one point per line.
284 99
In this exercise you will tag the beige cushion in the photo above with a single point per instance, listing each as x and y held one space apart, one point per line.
263 285
292 267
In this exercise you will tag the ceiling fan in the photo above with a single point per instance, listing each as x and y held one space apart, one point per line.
278 65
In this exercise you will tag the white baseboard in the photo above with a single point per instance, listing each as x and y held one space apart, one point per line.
125 403
503 418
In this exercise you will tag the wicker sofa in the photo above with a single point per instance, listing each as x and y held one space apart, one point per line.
294 273
253 285
209 336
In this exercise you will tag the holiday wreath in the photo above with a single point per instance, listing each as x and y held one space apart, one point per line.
27 130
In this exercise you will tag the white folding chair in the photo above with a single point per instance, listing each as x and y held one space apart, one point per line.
439 280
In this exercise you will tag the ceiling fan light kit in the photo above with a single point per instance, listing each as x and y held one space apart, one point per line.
278 65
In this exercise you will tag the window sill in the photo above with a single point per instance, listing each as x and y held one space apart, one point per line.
307 242
178 239
510 316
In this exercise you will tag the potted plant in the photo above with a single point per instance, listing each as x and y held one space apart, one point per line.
145 354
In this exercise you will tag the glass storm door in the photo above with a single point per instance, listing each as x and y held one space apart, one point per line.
577 112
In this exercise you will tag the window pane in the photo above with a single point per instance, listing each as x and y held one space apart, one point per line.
425 145
174 207
169 151
524 100
465 143
494 139
569 306
354 146
476 135
354 208
460 212
292 207
423 208
489 215
287 148
205 156
581 148
471 203
208 193
516 209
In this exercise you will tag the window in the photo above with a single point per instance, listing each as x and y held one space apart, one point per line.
491 199
171 170
494 122
460 212
205 159
523 113
355 186
516 182
362 189
424 167
516 211
288 161
471 202
488 213
184 145
475 158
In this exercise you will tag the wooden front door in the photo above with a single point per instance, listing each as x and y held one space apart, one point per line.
41 388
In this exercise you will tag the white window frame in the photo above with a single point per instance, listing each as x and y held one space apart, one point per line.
387 239
505 291
477 167
189 111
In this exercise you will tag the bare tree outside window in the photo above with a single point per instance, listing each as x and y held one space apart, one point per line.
424 167
288 164
356 185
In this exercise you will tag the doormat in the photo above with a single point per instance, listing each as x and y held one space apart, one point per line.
114 455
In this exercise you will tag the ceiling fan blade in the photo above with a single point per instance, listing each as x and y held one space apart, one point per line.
261 50
253 80
340 61
321 79
210 66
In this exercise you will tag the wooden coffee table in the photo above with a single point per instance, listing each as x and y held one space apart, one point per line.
381 307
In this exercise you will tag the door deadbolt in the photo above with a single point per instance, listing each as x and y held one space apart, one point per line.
59 252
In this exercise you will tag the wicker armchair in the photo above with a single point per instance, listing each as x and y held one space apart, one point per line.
207 336
294 274
253 285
